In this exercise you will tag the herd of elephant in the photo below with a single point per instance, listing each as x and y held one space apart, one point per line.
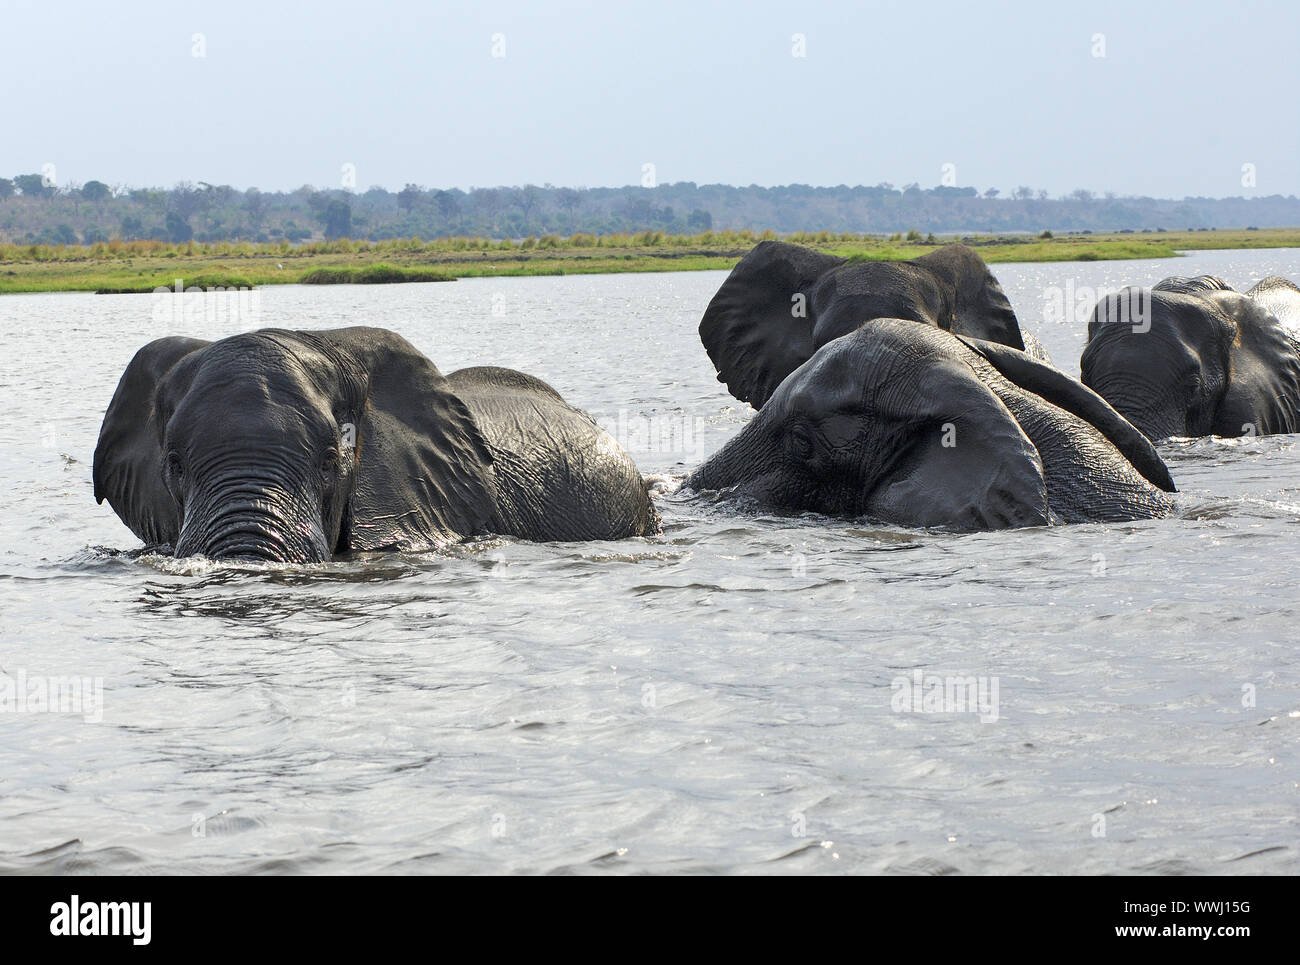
901 391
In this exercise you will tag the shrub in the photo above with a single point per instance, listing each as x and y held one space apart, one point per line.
380 273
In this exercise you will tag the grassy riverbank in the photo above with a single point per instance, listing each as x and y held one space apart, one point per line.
144 265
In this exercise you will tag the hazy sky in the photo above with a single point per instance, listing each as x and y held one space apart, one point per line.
587 93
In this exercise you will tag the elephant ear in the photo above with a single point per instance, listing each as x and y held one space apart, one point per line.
980 307
423 469
1054 386
1281 298
1200 285
1263 387
759 326
128 469
969 463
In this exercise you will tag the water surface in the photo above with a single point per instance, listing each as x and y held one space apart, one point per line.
717 699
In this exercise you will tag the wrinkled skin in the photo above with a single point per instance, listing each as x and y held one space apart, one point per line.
298 446
782 302
909 424
1213 362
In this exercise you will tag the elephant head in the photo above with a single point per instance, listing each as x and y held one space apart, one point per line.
782 302
904 422
1201 359
291 446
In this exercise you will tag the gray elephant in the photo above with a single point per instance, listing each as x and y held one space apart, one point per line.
1192 357
782 302
297 446
904 422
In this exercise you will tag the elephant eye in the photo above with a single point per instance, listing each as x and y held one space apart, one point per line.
329 463
801 442
174 468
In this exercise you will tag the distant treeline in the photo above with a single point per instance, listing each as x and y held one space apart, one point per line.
35 211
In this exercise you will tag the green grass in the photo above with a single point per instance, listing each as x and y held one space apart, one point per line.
145 265
377 274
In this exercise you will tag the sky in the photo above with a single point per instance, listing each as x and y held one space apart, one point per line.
1159 99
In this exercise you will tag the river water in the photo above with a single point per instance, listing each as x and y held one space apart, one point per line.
739 695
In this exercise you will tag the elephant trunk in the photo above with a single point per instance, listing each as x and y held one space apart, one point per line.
748 458
257 522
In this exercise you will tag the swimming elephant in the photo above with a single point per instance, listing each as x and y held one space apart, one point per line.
782 302
1192 357
296 446
913 425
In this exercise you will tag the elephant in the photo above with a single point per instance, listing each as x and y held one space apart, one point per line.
297 446
1193 357
913 425
782 302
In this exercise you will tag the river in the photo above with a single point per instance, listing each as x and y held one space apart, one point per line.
743 694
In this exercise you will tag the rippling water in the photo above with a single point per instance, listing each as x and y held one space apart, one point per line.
723 698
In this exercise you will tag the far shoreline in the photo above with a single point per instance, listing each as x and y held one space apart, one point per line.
144 266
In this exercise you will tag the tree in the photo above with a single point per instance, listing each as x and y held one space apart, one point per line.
96 192
992 193
189 199
255 204
150 197
178 229
73 191
448 206
6 189
32 186
638 212
488 200
568 199
408 196
526 198
337 219
1023 193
